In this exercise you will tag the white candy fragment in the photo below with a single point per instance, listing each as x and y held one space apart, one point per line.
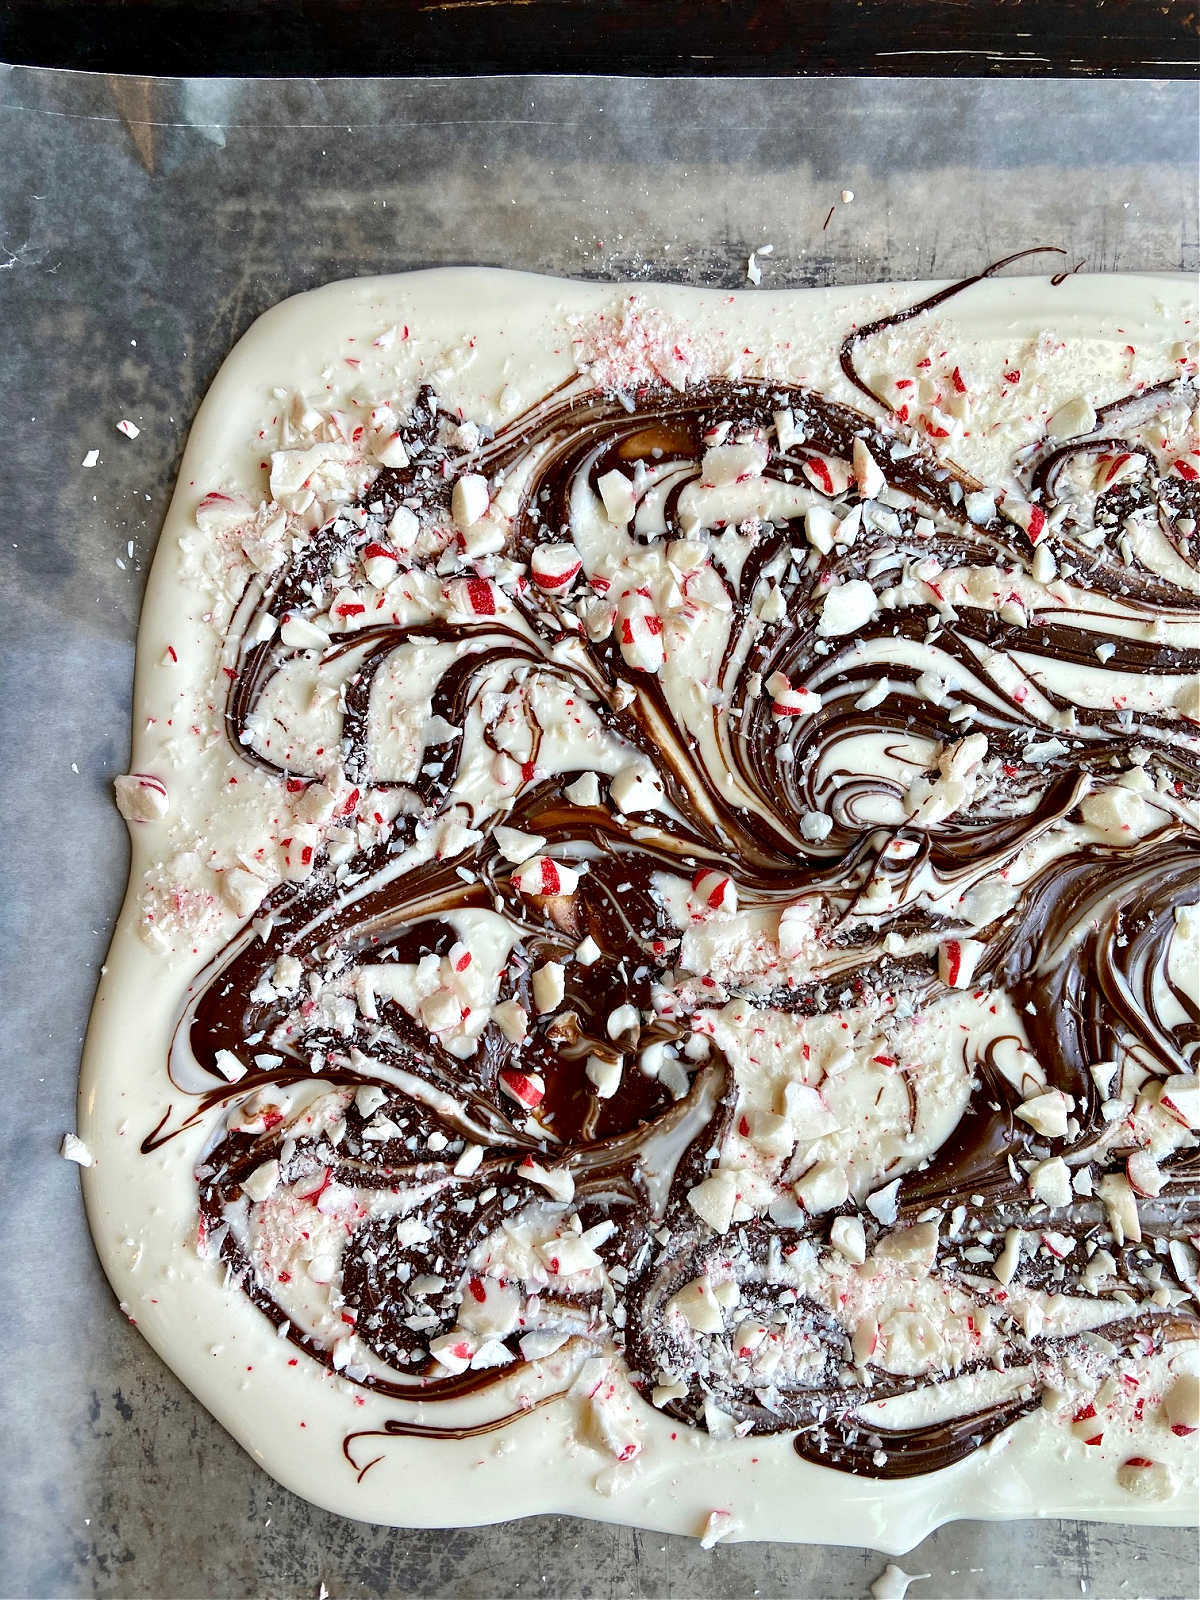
262 1182
807 1114
820 526
913 1248
826 473
963 756
298 633
557 1182
770 1134
262 629
786 431
624 1019
74 1149
228 1065
957 960
585 791
1120 1204
344 610
714 1199
299 852
1044 567
470 1161
848 1238
796 931
598 617
874 696
221 513
368 1099
1029 518
571 1253
980 506
129 429
604 1075
1051 1181
846 608
390 451
816 825
610 1411
440 1010
1115 811
541 1343
733 463
773 608
884 1203
404 527
864 1341
1070 420
1046 1113
616 492
469 500
512 1019
698 1306
548 986
1009 1258
380 565
516 846
824 1186
141 797
91 458
871 481
663 1393
635 788
718 1524
316 804
244 891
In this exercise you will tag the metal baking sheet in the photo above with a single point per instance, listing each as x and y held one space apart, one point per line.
143 224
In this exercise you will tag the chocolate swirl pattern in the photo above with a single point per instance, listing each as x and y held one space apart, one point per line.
735 951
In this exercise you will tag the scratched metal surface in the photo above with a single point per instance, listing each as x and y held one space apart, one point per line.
143 225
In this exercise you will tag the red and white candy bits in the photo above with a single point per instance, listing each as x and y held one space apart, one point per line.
473 597
528 1089
789 702
957 960
713 891
555 567
221 513
380 564
542 876
639 631
827 474
1022 514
